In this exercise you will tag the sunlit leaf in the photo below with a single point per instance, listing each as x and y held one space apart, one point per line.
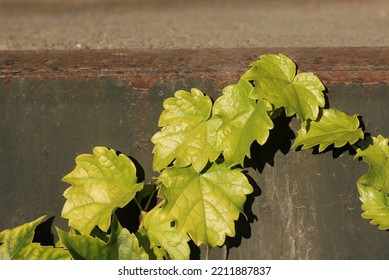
245 120
375 206
275 80
333 127
122 245
375 152
154 252
163 232
101 183
16 244
373 186
188 133
205 205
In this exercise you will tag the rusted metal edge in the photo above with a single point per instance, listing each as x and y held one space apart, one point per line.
142 68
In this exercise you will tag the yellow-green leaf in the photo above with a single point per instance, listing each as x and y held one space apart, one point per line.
188 133
373 186
275 80
154 252
375 152
16 244
333 127
163 232
375 206
205 205
101 183
122 245
245 120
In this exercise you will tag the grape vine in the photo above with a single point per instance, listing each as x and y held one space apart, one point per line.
199 153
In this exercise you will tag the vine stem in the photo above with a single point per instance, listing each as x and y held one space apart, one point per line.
138 204
207 253
144 213
150 199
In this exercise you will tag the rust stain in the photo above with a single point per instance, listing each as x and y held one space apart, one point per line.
143 68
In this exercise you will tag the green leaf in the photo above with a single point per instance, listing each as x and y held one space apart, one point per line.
163 232
373 186
154 252
101 183
16 244
188 134
375 152
122 245
205 205
275 80
376 206
245 120
333 127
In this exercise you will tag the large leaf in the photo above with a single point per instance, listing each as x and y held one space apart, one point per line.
205 205
373 186
188 134
101 183
375 152
163 232
245 120
333 127
376 206
275 80
122 245
16 244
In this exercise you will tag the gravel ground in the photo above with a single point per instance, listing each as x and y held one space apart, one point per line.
134 24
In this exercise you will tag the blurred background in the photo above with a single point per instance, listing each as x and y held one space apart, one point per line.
128 24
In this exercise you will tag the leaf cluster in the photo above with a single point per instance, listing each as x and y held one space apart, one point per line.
199 153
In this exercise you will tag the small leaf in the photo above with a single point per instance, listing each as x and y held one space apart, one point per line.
16 244
188 134
122 245
129 247
333 127
376 206
373 186
375 152
154 252
245 120
162 232
186 108
205 205
275 80
101 183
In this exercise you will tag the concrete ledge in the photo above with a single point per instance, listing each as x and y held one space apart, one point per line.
142 68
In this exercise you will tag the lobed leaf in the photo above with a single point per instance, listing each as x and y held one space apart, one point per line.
275 80
163 232
101 183
154 252
205 205
333 127
16 244
122 245
375 152
188 133
373 186
244 120
375 206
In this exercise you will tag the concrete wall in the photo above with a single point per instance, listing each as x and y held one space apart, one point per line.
305 205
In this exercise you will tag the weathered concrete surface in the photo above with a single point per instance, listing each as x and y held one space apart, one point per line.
142 68
121 24
56 105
